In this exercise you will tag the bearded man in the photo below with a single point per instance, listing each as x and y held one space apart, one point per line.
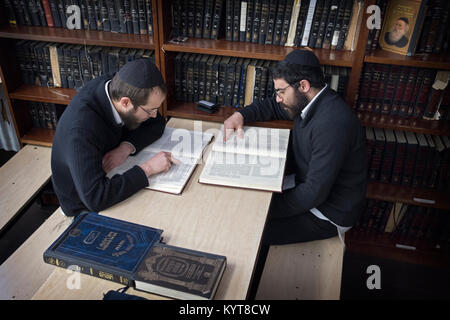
397 37
111 117
327 155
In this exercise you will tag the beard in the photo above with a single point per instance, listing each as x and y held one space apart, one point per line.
129 119
395 35
299 103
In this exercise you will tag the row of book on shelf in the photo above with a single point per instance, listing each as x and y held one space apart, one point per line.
133 16
434 37
45 115
233 81
314 23
406 224
403 91
71 65
407 158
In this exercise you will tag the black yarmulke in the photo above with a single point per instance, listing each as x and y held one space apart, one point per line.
141 73
302 57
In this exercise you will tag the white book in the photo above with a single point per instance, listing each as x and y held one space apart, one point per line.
293 25
308 22
186 146
256 161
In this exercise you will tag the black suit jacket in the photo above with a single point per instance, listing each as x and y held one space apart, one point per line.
84 134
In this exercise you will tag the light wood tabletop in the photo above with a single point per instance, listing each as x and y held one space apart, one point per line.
215 219
21 178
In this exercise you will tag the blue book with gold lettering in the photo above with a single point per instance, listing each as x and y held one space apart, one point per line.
103 247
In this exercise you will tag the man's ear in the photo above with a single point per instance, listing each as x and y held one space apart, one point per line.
125 103
304 86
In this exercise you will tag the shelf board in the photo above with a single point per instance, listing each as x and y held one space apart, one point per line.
87 37
383 246
377 120
434 61
404 194
43 94
189 110
39 136
256 51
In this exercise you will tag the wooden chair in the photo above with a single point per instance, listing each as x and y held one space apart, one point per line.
303 271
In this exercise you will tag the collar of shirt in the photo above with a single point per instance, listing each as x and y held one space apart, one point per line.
114 111
305 110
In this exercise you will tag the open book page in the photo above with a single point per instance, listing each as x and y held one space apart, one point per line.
256 161
257 141
181 142
243 170
186 146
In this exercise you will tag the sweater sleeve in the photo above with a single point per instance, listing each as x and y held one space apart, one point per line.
147 133
95 190
264 110
330 145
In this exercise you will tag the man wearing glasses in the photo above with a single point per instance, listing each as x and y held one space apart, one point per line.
326 155
108 120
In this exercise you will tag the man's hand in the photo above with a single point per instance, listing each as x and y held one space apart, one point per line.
161 162
116 157
234 122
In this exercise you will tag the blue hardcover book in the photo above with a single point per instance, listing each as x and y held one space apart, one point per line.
103 247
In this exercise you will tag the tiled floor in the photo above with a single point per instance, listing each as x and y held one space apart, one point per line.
397 280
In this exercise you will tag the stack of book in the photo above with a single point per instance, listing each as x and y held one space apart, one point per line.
45 115
134 255
70 65
408 158
374 218
407 92
233 81
133 16
407 225
419 225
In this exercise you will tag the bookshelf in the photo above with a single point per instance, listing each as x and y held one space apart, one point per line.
165 52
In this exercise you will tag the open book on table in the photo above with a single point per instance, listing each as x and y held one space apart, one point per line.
256 161
185 145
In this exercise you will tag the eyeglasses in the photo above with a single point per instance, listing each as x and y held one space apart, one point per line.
280 91
150 113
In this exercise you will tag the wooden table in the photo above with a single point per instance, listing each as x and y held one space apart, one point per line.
21 178
221 220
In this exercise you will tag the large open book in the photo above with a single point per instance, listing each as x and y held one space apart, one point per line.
185 145
255 161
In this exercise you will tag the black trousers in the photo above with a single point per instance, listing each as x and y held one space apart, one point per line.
301 227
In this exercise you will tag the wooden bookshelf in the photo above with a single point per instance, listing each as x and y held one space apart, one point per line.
43 94
86 37
39 136
377 120
384 246
223 47
418 61
404 194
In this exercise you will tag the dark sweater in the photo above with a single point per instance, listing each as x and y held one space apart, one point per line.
329 158
86 131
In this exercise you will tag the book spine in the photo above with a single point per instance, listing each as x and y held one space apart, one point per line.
88 269
48 13
286 21
416 91
308 23
363 98
216 19
409 90
149 11
374 86
143 27
242 21
345 24
331 24
229 20
127 16
249 22
424 93
270 22
322 24
385 70
316 23
256 20
190 17
279 22
397 168
207 22
263 22
390 89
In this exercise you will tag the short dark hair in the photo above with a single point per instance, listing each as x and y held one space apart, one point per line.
294 73
138 96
